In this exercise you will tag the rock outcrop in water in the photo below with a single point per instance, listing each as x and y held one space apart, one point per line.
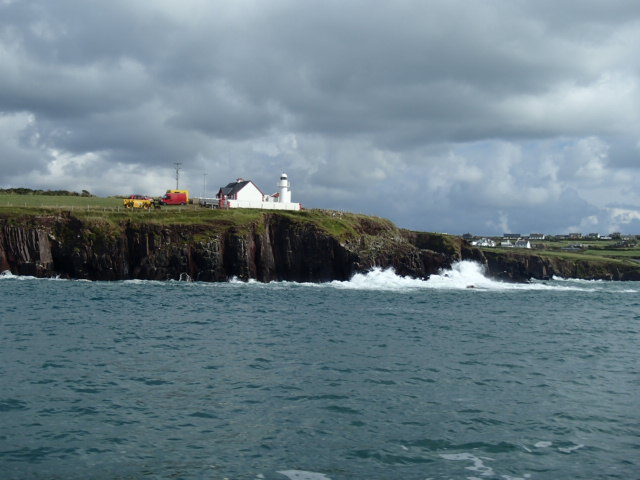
304 247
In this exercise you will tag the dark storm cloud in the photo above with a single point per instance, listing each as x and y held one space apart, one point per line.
436 105
362 67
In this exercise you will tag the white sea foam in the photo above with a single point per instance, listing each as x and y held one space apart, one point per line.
235 279
593 285
303 475
7 275
542 444
379 279
477 466
570 449
137 281
466 274
565 279
462 275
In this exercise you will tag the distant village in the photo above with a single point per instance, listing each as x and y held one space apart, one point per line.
541 240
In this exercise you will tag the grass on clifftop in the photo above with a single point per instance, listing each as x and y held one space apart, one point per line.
57 201
626 256
344 225
111 211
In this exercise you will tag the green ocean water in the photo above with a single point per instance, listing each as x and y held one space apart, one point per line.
380 377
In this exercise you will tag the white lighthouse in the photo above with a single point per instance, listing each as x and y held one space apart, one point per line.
246 194
285 189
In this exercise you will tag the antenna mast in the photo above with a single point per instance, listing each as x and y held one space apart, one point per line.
177 164
204 185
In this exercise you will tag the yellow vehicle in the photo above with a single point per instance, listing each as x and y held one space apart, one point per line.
138 201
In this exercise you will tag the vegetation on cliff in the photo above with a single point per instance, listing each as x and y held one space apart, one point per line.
100 243
51 193
98 239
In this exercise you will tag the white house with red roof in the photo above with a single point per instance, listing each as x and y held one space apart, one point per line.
246 194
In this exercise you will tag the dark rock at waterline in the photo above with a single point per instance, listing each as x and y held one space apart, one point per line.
271 247
519 267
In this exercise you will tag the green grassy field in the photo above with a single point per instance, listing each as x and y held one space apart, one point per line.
595 249
557 244
617 252
110 210
47 201
627 256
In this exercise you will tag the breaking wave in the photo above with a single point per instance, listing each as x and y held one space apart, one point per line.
7 275
463 275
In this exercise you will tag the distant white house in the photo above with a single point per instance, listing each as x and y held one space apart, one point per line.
522 244
537 236
511 236
246 194
484 242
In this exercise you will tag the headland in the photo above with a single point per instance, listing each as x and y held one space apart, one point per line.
104 242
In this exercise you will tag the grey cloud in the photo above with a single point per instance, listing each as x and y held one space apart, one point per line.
70 32
19 150
220 111
422 111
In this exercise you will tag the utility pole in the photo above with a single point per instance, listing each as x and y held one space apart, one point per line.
177 164
204 185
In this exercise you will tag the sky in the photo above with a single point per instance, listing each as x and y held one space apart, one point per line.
449 116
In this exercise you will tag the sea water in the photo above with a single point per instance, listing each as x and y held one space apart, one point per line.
380 377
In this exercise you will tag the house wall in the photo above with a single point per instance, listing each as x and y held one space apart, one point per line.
262 205
250 193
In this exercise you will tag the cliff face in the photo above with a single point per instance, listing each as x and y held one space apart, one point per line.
522 267
25 251
274 247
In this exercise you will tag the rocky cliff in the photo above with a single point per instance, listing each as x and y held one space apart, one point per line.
310 247
521 267
274 246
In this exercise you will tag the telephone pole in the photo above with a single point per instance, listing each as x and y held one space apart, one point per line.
204 185
177 164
